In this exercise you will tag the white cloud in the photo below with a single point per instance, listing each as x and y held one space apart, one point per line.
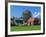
36 14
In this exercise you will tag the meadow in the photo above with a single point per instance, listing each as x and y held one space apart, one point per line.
25 28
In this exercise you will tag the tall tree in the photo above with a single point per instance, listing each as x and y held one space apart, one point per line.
13 21
26 14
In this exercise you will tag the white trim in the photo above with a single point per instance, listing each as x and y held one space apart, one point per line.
24 32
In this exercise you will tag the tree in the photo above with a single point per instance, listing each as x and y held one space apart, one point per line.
26 14
37 21
13 21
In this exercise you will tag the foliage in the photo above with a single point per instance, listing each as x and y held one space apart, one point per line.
26 14
37 21
13 21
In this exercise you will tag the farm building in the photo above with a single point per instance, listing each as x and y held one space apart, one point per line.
29 21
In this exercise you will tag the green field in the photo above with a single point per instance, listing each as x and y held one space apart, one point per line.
25 28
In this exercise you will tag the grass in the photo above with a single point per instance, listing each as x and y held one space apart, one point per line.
25 28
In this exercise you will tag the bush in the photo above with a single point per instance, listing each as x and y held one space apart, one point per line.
13 24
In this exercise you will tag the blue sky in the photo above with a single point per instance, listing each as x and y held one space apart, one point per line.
18 10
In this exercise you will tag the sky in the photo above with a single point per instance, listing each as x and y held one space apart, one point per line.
18 10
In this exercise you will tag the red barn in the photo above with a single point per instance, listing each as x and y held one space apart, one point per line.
30 21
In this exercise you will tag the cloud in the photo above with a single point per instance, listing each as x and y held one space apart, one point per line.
36 15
